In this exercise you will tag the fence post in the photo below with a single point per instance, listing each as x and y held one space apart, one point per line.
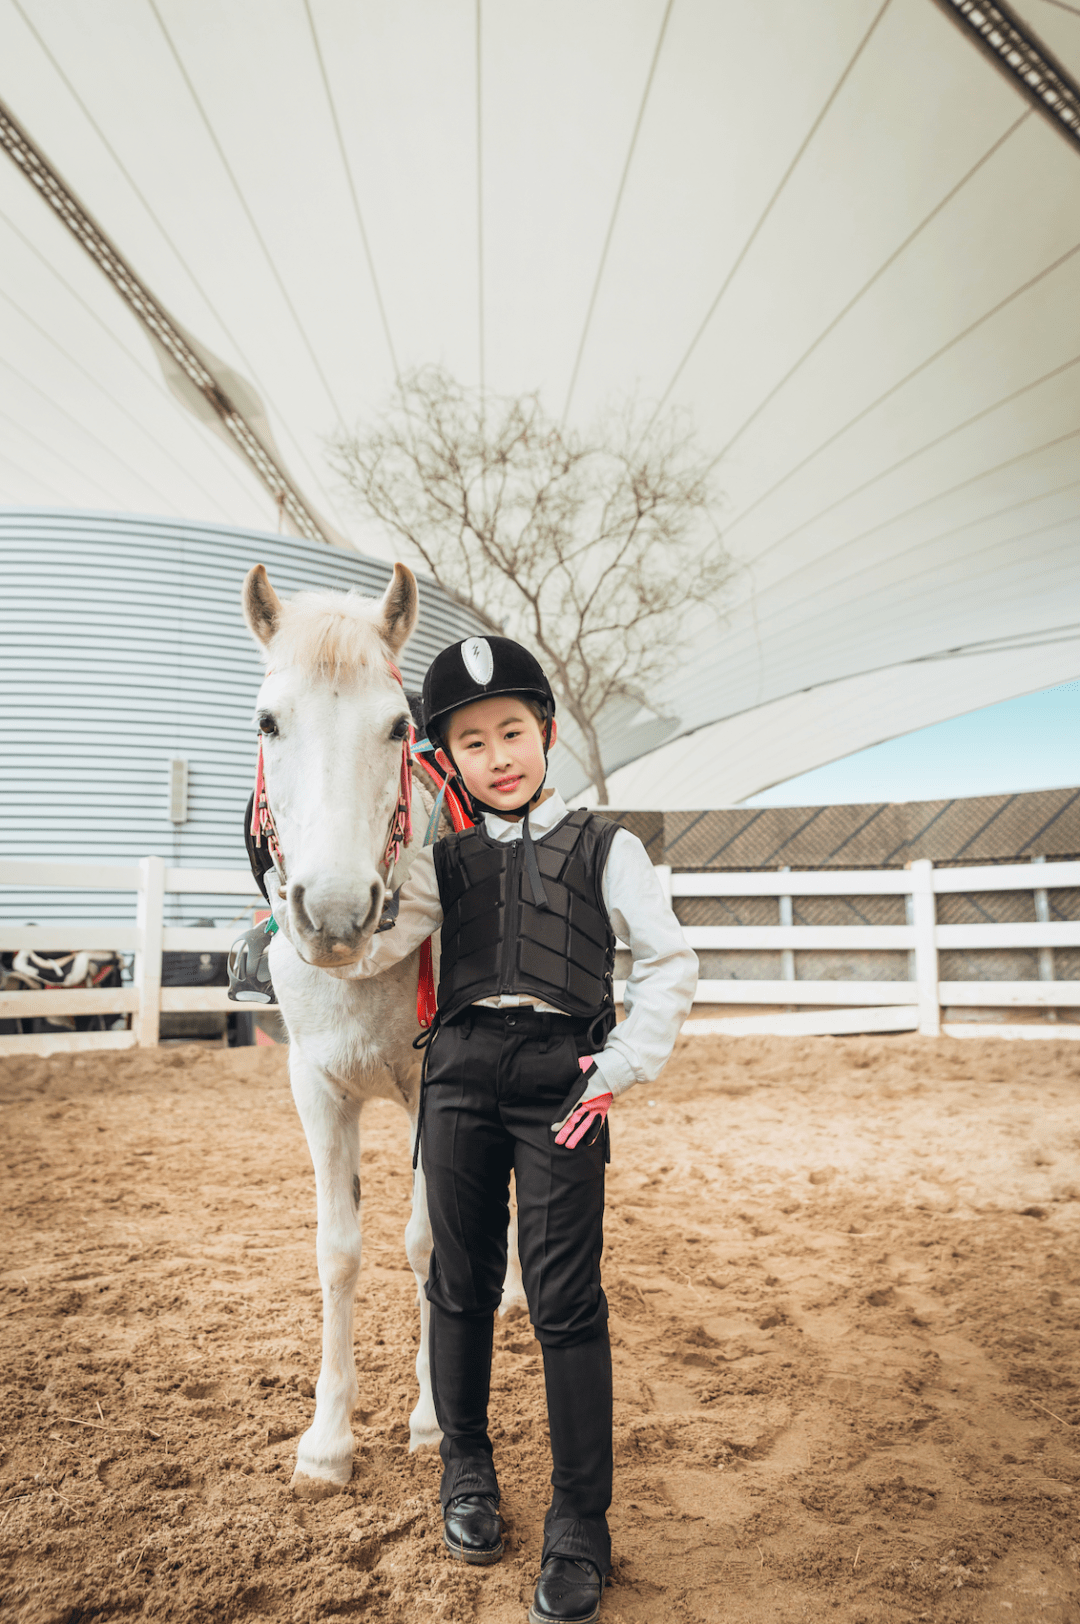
150 920
786 916
924 919
1047 971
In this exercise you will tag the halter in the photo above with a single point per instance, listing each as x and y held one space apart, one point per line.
262 819
401 823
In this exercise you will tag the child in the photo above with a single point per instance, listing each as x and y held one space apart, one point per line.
524 1062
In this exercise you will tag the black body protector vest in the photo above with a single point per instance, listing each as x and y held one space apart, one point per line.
496 940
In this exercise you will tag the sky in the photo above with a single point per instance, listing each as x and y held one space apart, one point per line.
1029 743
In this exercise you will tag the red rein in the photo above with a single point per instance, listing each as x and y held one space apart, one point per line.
401 824
458 816
262 819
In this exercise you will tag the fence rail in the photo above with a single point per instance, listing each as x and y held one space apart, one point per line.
145 1000
863 1006
846 1005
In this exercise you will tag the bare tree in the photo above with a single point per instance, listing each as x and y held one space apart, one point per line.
589 548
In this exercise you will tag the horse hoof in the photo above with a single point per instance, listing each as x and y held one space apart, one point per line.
306 1487
424 1438
317 1476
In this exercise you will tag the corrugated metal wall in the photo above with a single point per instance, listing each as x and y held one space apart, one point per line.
122 644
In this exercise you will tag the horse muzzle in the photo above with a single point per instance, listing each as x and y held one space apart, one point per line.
331 926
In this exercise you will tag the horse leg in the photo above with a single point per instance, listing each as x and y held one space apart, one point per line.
423 1425
513 1294
324 1459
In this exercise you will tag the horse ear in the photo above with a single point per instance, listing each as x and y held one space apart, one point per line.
399 608
262 606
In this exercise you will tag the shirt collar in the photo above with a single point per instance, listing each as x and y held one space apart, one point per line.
541 819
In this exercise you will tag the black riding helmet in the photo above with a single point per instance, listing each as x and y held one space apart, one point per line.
482 668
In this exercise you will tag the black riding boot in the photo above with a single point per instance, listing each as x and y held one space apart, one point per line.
578 1382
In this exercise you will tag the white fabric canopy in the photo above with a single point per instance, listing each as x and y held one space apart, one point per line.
835 233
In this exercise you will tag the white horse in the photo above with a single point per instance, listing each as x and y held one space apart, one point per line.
334 721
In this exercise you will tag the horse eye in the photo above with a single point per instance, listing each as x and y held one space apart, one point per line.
400 729
267 724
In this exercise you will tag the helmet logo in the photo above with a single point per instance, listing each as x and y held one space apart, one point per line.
478 658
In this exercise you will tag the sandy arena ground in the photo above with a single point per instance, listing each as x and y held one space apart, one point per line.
845 1291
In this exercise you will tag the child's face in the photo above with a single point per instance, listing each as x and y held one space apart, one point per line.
498 746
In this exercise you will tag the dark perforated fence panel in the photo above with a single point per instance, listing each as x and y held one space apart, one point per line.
988 829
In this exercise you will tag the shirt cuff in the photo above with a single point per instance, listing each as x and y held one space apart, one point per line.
614 1072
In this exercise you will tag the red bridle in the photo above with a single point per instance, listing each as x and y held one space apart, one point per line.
401 823
262 819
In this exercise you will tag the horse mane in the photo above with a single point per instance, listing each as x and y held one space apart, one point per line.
329 634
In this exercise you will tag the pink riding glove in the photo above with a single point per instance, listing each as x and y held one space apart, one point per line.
586 1118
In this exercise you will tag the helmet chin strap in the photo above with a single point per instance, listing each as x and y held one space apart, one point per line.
532 867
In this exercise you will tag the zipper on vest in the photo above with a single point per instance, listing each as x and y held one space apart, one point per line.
512 923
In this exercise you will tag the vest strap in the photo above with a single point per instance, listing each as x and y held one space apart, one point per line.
532 867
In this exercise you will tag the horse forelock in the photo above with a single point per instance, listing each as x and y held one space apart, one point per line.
333 635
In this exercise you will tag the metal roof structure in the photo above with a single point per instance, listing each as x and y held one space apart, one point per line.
845 237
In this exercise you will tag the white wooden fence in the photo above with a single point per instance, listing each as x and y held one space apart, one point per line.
886 1006
145 999
864 1006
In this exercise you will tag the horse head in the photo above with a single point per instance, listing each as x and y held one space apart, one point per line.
333 720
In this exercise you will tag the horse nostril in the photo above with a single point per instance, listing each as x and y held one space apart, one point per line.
303 918
374 909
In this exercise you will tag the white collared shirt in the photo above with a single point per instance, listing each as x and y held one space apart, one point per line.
663 977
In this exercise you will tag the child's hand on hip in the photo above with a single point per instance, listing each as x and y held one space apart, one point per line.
587 1118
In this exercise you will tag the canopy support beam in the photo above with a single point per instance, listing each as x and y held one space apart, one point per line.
1023 58
195 365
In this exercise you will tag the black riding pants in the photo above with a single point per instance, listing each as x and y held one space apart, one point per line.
495 1083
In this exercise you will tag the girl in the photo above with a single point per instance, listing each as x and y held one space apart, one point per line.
524 1062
